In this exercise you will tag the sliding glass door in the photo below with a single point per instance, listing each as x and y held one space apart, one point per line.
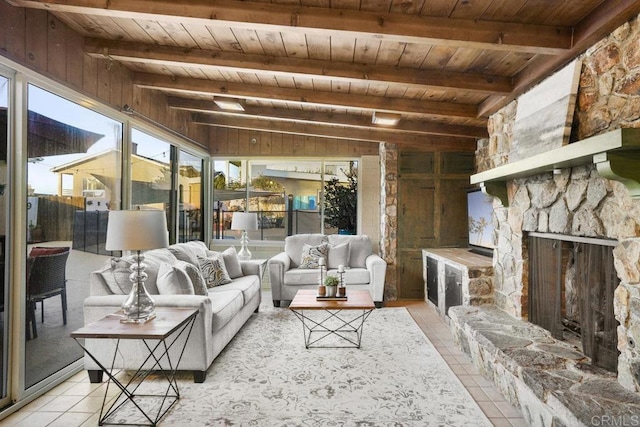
4 216
73 166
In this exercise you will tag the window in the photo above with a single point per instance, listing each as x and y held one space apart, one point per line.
286 194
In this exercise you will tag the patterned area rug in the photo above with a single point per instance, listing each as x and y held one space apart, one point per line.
266 377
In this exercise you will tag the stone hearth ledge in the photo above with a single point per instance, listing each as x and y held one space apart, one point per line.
549 380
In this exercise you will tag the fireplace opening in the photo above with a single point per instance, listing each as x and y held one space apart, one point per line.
571 288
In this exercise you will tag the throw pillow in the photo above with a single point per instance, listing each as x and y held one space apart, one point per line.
199 284
311 255
120 271
231 261
338 255
213 270
174 280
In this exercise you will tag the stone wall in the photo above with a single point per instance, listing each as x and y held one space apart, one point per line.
577 201
389 217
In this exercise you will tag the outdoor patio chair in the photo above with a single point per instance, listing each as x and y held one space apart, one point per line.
46 278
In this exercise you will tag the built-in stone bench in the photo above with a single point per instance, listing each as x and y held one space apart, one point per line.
549 380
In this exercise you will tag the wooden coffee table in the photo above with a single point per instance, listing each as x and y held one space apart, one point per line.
335 322
158 336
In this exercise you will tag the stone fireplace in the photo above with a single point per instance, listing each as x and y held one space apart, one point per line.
550 379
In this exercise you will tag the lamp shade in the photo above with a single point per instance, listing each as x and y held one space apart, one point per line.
244 221
136 230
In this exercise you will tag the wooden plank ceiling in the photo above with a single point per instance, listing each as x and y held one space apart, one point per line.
322 67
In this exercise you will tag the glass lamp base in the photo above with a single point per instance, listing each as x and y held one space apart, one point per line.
138 319
245 253
139 306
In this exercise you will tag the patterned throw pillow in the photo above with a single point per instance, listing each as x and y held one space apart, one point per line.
311 255
213 270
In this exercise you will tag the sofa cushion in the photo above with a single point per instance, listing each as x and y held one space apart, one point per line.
299 276
338 255
311 255
224 306
189 251
359 248
248 285
293 245
231 261
355 276
213 270
174 280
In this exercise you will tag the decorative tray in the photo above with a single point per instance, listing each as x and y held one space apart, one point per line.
319 298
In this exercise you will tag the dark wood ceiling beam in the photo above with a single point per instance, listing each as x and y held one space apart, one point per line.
362 122
303 96
295 67
594 27
312 129
404 28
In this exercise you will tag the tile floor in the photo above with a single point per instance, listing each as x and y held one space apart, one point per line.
76 402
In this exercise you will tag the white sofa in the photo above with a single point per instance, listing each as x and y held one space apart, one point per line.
222 312
363 268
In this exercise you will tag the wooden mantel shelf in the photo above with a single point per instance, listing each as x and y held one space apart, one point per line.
616 155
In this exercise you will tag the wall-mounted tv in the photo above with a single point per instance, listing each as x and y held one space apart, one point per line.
480 209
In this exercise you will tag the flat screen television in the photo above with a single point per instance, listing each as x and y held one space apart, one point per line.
480 209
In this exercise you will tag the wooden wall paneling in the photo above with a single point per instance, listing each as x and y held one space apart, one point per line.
57 48
254 149
90 75
309 144
36 39
75 60
298 145
287 143
104 80
219 140
16 23
136 93
5 25
244 137
128 90
234 147
265 143
276 144
117 73
330 146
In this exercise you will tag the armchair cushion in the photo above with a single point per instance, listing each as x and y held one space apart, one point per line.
311 255
294 244
359 248
338 255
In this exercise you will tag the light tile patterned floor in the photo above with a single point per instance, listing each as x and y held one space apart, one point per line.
496 408
76 402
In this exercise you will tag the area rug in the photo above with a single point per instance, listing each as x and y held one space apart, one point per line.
266 377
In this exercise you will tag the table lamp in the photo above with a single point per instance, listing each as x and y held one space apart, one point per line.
244 221
137 231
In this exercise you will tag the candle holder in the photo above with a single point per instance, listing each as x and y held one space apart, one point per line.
342 288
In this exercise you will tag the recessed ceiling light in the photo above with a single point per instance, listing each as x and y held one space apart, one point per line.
228 105
385 119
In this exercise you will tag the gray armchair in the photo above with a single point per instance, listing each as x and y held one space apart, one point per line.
363 268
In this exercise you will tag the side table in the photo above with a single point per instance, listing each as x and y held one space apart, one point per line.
158 336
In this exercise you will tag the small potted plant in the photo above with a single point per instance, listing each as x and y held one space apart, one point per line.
331 282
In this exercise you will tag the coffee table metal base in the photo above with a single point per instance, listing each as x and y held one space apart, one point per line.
348 330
